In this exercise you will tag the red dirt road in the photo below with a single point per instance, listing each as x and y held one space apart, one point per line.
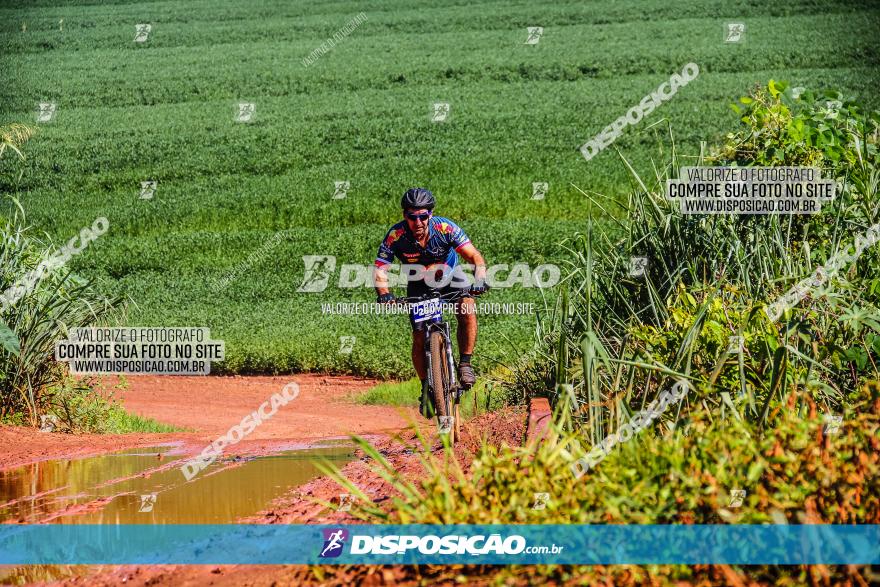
297 507
210 406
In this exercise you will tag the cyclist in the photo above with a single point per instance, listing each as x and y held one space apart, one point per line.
422 240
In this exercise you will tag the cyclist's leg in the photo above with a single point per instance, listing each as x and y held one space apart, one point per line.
466 314
418 353
415 289
466 334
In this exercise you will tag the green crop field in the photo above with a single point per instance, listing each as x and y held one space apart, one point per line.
164 110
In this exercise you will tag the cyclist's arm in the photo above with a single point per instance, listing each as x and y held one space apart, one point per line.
380 279
470 254
384 258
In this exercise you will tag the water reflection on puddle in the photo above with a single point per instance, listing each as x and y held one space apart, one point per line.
144 486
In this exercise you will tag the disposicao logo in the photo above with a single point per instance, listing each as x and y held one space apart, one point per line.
333 542
449 545
443 545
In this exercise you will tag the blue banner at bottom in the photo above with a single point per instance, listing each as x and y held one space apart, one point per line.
450 544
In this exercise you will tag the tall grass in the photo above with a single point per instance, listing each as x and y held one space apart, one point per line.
615 340
31 323
800 474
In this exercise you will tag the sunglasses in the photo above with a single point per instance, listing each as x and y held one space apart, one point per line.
424 216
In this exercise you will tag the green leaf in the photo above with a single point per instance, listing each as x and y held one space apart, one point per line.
875 344
871 323
858 356
777 380
8 339
754 473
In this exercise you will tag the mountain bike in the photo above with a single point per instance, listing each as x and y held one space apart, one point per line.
443 388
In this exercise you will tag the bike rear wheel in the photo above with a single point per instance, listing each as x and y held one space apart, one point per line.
441 382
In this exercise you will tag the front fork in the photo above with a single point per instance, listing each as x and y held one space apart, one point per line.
450 361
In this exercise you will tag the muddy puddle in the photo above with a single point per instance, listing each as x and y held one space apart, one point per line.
146 486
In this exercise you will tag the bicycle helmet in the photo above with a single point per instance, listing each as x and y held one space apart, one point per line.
417 198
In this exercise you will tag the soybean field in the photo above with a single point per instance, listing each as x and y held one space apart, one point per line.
320 163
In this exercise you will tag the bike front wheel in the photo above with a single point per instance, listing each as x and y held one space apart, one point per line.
441 383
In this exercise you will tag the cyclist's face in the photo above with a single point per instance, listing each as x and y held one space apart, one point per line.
418 220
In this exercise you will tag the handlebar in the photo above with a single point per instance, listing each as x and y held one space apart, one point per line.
444 297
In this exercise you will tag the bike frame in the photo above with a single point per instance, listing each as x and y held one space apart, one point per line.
438 324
